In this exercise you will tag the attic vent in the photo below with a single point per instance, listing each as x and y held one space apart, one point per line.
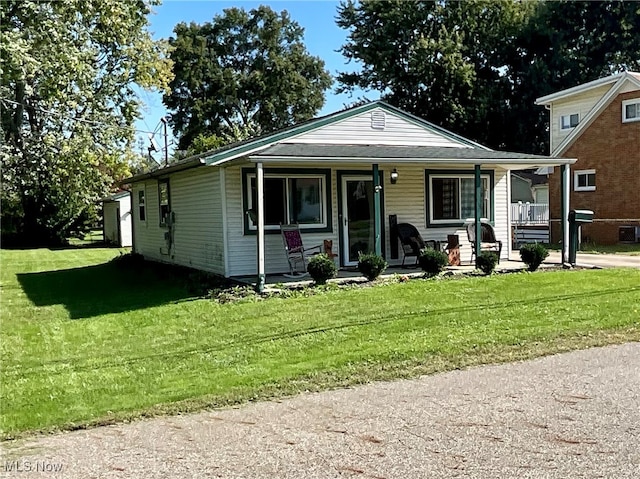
378 120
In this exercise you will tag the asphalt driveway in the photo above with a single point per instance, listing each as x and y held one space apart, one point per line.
569 415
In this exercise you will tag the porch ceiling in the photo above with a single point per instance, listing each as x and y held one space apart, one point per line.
300 153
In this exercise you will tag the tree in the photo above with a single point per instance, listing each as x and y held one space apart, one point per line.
564 44
441 60
248 70
476 67
68 107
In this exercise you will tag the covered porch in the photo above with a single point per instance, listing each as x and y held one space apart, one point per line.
387 168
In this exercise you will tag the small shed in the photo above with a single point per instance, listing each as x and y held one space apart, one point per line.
117 224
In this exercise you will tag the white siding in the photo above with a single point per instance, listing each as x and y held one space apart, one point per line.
197 230
406 199
357 131
581 104
242 248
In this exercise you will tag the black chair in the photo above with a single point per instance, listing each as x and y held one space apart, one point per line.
412 242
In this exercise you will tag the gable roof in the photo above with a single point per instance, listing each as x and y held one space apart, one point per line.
466 149
616 81
247 147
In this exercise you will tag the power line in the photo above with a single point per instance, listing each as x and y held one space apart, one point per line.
83 120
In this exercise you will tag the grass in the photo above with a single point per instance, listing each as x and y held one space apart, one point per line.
85 342
631 249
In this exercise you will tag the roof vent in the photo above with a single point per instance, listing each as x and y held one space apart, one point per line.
378 120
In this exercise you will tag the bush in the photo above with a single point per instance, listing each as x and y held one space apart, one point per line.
371 265
129 260
321 268
487 261
533 255
432 261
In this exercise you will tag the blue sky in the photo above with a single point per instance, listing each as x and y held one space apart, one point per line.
322 38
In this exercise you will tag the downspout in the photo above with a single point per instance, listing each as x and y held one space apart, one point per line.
260 280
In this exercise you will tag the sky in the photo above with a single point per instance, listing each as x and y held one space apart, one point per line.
322 37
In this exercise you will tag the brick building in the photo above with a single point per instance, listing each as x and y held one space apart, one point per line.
598 123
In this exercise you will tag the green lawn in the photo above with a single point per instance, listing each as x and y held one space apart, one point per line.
85 341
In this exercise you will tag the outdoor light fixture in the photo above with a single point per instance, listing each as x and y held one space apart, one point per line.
394 176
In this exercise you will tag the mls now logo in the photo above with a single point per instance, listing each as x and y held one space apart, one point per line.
32 466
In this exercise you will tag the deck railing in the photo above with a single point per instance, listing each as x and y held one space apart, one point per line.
529 213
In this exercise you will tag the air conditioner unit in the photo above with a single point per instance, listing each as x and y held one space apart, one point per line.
628 234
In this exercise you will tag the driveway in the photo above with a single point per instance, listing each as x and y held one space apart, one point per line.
569 415
597 260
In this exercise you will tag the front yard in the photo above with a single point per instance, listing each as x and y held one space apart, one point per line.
85 341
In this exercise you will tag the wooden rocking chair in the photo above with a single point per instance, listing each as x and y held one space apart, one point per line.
297 254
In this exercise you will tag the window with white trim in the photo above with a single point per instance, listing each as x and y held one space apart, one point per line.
452 198
584 180
569 121
142 212
631 110
290 198
164 200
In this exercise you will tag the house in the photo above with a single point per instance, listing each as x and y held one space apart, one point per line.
117 223
598 123
220 211
529 207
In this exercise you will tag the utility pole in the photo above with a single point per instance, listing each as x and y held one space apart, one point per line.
166 143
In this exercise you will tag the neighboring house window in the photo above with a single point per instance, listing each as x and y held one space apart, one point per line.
569 121
142 213
631 110
584 180
290 198
452 197
164 201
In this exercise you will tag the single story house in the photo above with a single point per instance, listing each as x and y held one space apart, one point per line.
116 215
221 211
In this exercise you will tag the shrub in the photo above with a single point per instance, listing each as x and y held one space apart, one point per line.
129 260
533 255
371 265
487 261
321 268
432 261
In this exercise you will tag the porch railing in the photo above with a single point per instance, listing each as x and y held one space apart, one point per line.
529 213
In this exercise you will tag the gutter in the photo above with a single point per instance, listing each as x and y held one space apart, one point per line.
186 165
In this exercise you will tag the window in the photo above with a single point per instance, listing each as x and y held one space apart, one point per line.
142 214
569 121
584 180
631 110
452 197
290 198
164 201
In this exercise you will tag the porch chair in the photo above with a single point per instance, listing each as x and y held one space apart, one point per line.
488 241
411 241
296 253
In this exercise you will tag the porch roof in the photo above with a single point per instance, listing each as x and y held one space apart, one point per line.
300 152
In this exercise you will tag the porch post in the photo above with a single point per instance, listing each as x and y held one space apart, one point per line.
565 182
376 210
260 233
478 210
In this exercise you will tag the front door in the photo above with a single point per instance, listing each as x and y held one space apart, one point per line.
357 217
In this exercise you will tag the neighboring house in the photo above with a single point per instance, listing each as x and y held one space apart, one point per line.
529 207
207 212
598 123
117 224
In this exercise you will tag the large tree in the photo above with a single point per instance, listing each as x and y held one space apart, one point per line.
246 70
477 66
68 107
